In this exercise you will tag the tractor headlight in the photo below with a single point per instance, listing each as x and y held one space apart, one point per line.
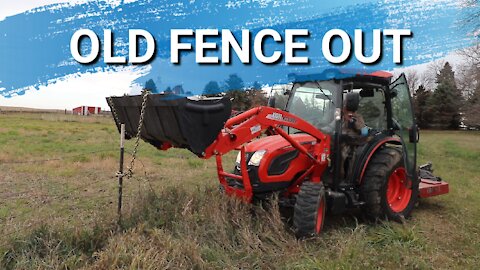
257 157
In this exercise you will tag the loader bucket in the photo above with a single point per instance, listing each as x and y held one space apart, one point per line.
180 121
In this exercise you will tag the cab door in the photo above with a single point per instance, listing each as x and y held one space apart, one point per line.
403 122
279 96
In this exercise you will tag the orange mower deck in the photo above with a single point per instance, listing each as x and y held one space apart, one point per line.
430 188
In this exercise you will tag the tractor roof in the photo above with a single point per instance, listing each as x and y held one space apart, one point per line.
344 73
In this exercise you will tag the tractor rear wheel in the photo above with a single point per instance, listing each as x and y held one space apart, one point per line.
386 189
309 210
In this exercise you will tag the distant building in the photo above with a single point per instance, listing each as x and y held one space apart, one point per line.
86 110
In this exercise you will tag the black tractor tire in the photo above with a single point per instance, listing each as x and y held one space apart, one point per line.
376 190
309 210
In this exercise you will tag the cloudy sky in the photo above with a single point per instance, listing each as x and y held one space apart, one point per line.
87 89
59 83
9 8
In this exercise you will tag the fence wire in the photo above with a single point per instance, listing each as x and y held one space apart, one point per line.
60 158
139 176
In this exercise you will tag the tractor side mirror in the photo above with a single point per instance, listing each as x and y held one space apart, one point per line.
414 134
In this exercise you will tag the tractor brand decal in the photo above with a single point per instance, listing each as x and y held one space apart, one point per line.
280 117
255 129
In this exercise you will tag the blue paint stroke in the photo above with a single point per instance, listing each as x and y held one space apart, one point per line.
34 46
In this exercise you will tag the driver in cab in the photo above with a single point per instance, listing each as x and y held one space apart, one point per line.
354 131
353 124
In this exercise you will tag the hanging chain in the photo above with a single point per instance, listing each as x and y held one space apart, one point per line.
145 94
110 103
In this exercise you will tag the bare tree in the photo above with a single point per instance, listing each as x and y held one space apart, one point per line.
430 75
469 83
413 79
469 71
472 54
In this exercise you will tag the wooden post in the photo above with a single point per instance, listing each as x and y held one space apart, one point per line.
120 173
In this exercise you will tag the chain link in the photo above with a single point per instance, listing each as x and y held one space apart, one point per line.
110 103
145 94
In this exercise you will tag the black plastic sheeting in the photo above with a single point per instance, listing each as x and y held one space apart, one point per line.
183 122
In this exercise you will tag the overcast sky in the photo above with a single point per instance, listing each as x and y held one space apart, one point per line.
9 7
86 89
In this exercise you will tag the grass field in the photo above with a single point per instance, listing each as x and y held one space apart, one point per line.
58 209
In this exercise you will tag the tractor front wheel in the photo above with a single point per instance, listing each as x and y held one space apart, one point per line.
309 211
386 189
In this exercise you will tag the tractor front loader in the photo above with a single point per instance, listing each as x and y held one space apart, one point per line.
305 149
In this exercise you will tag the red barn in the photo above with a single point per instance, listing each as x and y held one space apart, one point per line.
86 110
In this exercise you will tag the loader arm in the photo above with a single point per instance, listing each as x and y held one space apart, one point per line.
203 127
247 126
251 124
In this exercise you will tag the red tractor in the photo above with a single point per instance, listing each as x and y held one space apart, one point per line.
322 145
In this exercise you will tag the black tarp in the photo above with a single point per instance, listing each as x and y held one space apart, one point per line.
183 122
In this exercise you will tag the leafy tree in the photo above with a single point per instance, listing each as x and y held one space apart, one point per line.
256 86
235 90
212 89
256 95
446 100
150 85
234 82
240 99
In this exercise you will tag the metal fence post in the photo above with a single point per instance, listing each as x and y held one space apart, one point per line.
120 173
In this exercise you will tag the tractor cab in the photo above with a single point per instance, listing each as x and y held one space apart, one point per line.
385 108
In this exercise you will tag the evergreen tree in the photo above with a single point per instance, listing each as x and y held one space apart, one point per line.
446 100
422 110
150 85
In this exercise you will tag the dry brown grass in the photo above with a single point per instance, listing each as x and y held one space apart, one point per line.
61 214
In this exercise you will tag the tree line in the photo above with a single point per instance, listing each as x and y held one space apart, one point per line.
448 99
242 97
445 99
